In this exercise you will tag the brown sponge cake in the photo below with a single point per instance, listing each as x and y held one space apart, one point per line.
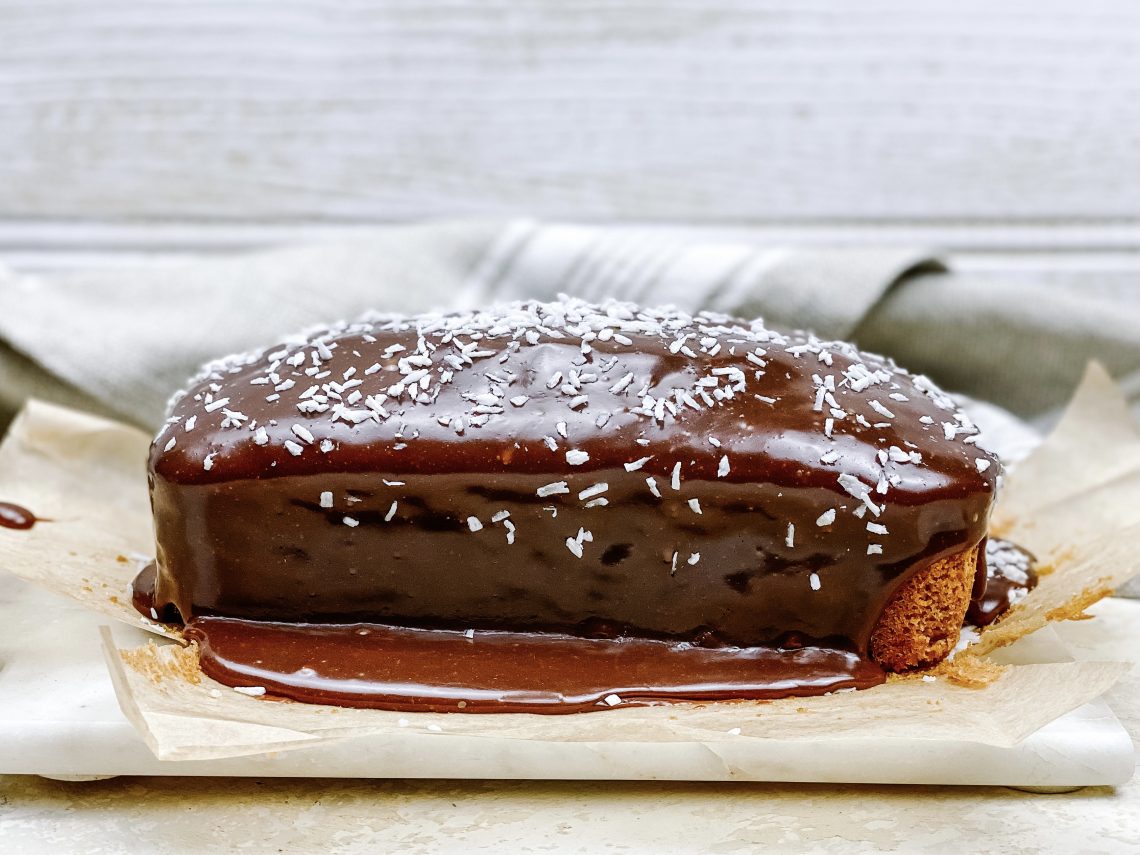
592 470
922 622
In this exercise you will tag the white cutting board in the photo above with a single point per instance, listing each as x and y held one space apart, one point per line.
59 718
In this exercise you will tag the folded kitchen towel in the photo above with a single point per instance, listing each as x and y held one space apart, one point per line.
120 341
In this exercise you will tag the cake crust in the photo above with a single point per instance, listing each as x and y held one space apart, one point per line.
923 621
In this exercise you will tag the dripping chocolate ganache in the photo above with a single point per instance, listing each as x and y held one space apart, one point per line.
698 491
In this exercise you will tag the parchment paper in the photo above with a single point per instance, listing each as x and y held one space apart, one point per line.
1075 502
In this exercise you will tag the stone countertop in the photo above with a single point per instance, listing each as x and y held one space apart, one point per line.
207 815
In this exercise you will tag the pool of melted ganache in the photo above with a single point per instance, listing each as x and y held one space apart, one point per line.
434 670
437 670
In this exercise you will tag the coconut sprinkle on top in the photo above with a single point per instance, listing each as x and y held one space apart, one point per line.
622 371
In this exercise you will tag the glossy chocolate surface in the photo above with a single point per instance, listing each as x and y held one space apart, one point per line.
567 469
1006 576
369 665
16 517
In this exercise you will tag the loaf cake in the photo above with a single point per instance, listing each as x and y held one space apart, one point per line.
579 472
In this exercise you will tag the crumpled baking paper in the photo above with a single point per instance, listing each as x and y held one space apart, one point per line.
1075 503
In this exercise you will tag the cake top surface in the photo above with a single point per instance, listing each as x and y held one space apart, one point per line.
573 387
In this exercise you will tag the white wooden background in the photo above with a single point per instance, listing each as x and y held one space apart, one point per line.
1006 131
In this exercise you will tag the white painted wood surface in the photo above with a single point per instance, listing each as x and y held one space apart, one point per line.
1096 259
695 111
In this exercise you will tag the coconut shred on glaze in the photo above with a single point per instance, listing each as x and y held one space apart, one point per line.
564 470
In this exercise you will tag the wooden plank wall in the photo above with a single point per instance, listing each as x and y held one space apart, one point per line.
1007 131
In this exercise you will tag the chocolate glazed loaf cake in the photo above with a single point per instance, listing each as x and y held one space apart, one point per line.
790 515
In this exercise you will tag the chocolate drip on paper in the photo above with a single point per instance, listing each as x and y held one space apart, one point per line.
15 517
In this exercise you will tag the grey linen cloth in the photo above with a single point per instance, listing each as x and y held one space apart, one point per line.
120 342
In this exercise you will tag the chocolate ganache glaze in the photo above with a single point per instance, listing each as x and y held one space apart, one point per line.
395 668
1006 573
551 475
16 517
